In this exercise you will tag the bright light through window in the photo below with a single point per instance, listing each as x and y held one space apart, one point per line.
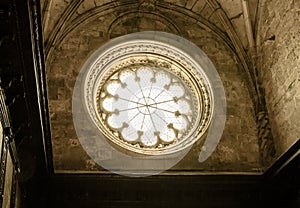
148 106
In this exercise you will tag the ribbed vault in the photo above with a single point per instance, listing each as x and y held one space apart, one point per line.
73 30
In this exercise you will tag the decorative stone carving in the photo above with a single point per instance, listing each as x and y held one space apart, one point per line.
265 139
170 126
129 73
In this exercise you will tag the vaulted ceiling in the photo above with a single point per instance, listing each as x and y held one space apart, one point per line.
224 30
245 40
231 33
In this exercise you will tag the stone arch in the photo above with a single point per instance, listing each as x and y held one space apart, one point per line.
147 15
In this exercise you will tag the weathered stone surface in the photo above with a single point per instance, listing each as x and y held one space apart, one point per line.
279 69
234 12
238 149
199 6
190 4
232 8
238 23
53 13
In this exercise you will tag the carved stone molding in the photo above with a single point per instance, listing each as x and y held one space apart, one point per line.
128 68
265 139
158 58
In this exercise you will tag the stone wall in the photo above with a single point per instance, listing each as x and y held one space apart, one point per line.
278 55
238 149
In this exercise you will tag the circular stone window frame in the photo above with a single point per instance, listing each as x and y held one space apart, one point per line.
133 63
86 115
103 68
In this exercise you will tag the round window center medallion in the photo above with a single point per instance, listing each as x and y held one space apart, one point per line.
147 106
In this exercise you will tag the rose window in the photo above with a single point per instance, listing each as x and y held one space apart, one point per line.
147 106
147 97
